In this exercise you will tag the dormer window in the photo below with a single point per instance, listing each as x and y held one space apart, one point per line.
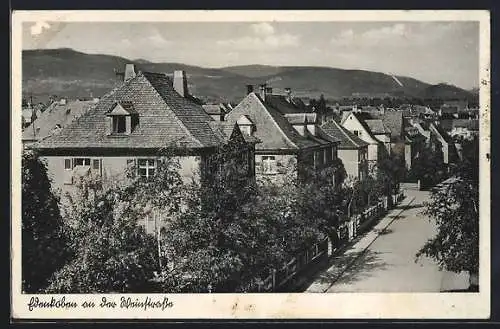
119 124
246 125
122 118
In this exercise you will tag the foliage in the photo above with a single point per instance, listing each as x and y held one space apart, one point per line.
112 252
43 239
233 231
390 172
428 167
455 207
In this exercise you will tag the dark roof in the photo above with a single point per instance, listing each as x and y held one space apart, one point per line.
54 117
394 121
280 103
376 126
273 129
165 119
446 124
347 139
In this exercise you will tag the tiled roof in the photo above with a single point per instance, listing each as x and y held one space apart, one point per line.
225 130
394 121
214 109
347 139
54 117
165 119
376 126
280 103
273 129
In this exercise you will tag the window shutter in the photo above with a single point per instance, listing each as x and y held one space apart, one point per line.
128 124
109 125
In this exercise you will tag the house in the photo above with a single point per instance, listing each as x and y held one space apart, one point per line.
381 132
464 128
355 123
217 111
56 116
437 137
290 141
131 126
352 150
451 109
406 140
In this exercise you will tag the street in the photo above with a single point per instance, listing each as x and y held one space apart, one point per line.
388 264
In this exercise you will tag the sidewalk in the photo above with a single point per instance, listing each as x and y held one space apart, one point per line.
341 262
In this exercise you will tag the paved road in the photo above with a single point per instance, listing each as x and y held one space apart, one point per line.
388 265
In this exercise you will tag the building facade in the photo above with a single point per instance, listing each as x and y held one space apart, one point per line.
130 129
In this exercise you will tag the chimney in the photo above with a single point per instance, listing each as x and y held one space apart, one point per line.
180 83
263 91
129 72
288 92
249 89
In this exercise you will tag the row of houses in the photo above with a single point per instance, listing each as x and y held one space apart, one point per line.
149 112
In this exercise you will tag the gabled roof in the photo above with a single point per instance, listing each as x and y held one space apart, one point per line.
122 108
347 139
165 119
56 116
376 126
280 103
361 117
227 130
273 129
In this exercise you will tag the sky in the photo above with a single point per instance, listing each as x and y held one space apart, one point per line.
434 52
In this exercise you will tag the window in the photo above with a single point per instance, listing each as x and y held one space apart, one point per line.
147 167
67 164
119 124
355 132
96 164
246 129
81 162
334 153
268 164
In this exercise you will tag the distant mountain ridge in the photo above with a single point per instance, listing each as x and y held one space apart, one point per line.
68 73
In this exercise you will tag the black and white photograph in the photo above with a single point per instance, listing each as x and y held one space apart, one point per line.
253 165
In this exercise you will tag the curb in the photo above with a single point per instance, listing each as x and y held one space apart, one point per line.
348 265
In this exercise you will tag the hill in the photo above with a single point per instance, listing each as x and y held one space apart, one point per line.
68 73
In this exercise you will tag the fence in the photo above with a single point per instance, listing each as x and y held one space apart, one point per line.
282 276
346 232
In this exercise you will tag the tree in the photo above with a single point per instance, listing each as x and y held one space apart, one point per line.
111 250
43 238
226 234
428 167
455 208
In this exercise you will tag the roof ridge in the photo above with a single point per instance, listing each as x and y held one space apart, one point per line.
273 120
182 124
344 131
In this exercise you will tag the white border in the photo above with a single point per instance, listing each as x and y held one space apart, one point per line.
258 306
